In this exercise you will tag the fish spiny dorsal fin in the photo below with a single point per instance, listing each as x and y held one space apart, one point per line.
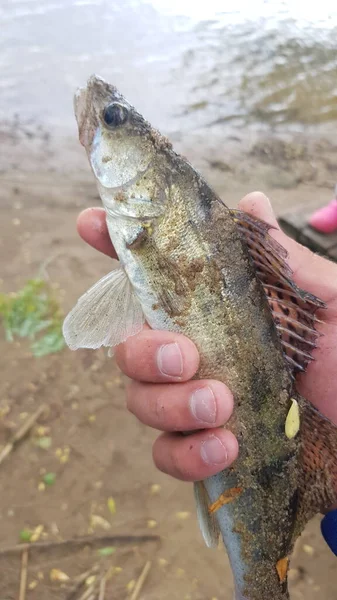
293 309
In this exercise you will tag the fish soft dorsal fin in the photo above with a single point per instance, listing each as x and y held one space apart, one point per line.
317 477
293 309
106 315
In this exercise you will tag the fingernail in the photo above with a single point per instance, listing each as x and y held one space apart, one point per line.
203 405
170 360
213 451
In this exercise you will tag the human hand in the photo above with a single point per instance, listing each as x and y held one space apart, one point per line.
161 365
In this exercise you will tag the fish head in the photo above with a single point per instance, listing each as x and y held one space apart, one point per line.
122 147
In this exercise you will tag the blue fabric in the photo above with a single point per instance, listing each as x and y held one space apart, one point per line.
329 530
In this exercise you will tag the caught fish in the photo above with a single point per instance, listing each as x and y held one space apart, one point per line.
190 264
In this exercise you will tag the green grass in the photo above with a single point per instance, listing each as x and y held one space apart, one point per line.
34 313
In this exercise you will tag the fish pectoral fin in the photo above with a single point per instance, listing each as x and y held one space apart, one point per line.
293 309
318 463
106 315
207 522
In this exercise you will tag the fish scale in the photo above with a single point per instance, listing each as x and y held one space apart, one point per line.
189 264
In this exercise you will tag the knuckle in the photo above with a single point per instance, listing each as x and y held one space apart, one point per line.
130 394
179 461
158 410
157 456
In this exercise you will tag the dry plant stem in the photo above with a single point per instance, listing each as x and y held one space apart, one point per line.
79 581
90 540
141 580
102 587
88 593
21 432
23 578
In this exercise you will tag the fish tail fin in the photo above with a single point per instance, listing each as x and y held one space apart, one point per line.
318 463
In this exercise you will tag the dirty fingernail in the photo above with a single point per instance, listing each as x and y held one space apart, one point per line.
203 405
213 451
170 360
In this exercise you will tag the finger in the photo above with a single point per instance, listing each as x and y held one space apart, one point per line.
304 263
92 227
195 456
158 356
181 406
259 206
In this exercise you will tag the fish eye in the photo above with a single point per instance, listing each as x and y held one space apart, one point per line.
115 115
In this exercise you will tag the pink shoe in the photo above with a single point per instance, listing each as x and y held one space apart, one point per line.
325 219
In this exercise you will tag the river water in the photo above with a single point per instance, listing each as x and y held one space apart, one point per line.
187 65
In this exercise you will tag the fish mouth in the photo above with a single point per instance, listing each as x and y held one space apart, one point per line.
80 103
87 100
82 100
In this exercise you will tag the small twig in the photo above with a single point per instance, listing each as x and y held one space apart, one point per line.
80 580
21 432
23 578
88 593
141 580
102 587
89 540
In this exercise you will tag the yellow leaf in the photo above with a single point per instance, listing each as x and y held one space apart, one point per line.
98 521
151 523
57 575
111 505
308 549
292 424
4 410
42 431
162 562
37 533
33 584
117 569
130 585
183 515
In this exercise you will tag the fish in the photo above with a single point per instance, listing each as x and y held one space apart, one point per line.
190 264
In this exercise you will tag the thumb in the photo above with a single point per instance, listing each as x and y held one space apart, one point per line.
310 271
259 206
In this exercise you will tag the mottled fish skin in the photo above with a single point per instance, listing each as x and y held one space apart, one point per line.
192 273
